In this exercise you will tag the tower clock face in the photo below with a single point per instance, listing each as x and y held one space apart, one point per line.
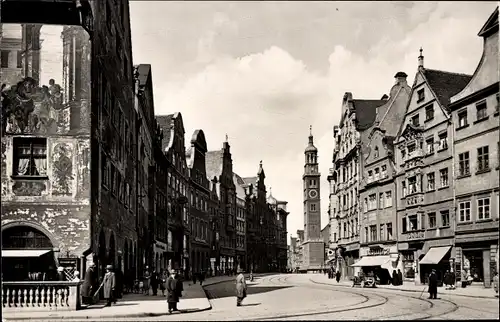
313 193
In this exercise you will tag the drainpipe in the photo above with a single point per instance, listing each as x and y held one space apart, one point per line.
454 207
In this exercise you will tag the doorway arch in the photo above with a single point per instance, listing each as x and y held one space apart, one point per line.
112 251
27 254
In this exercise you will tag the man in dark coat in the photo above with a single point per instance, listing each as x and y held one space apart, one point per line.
154 282
395 278
337 276
433 285
400 277
172 292
89 285
109 285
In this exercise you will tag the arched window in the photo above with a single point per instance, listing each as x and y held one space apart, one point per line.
24 237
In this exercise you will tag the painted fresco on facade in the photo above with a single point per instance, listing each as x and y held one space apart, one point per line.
45 112
53 93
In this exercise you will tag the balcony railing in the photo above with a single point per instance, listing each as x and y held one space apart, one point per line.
40 296
415 199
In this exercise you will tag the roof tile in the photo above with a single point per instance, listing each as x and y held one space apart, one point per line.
366 112
213 161
445 84
165 122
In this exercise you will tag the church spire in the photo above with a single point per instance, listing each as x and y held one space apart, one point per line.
310 146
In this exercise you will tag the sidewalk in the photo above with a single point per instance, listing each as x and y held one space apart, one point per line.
470 291
193 299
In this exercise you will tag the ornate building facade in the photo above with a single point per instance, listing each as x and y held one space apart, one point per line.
219 167
475 130
178 219
377 191
77 115
199 203
424 173
357 116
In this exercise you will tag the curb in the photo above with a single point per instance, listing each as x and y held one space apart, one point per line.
118 316
415 291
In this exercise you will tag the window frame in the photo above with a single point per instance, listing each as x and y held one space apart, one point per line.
429 112
431 179
483 158
481 208
19 142
462 119
481 110
464 164
445 213
462 218
432 220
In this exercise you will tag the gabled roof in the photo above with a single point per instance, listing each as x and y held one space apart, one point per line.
213 161
166 124
445 84
366 112
491 25
239 184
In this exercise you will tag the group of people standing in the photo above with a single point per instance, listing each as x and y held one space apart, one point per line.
397 277
334 274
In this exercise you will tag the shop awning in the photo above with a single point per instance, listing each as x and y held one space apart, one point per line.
370 261
435 255
24 252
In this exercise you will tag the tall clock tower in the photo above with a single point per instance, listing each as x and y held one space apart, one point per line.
313 245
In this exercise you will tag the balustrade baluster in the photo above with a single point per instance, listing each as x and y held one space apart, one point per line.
8 297
18 297
53 296
25 298
59 297
66 297
30 300
37 296
42 296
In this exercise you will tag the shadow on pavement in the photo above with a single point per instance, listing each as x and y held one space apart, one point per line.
229 290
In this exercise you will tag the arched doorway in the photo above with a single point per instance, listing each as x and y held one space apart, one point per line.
112 251
27 254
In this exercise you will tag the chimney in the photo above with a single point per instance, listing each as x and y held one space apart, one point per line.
421 59
385 97
401 78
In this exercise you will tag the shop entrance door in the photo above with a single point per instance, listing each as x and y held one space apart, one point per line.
473 265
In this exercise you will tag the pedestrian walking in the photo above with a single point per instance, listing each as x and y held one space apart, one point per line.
202 277
90 282
193 276
172 293
395 278
337 276
154 282
163 281
433 285
400 277
146 280
241 287
109 285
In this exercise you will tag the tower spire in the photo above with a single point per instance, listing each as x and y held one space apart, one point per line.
227 137
421 59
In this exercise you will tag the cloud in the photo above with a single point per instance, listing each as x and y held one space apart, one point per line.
265 100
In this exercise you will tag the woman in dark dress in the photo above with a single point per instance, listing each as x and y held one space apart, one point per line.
395 278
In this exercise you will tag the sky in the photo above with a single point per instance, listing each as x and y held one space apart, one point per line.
263 72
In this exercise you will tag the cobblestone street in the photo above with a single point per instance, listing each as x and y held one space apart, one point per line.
301 297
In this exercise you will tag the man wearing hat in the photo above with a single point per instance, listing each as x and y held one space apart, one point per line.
241 287
172 291
109 285
433 285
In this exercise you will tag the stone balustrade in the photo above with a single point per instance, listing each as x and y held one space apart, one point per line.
40 296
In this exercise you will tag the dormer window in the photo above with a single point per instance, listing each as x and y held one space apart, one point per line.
376 152
420 95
